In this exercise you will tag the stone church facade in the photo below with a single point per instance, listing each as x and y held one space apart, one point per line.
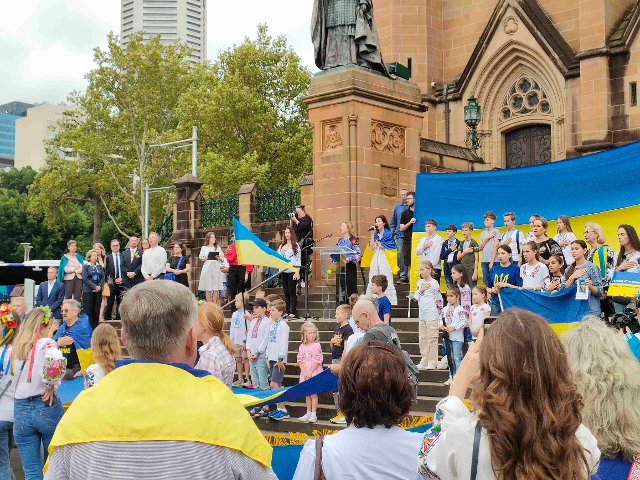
554 78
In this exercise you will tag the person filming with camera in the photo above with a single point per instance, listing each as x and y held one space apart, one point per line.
302 225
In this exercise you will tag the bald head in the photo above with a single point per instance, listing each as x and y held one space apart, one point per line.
365 313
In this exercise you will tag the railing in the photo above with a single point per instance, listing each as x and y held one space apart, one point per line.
165 229
218 212
276 204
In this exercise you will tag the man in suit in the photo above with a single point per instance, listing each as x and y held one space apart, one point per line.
51 293
114 272
131 265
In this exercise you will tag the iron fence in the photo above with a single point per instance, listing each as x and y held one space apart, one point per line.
218 212
276 204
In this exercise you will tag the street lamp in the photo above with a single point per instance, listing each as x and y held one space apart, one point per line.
472 118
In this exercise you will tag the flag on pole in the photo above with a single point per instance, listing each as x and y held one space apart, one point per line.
253 251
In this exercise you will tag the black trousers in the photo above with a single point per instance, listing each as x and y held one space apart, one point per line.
116 296
346 282
406 256
91 302
290 297
235 280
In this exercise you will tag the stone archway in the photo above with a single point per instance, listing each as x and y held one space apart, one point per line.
519 87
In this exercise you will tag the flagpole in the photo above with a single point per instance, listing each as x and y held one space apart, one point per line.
252 289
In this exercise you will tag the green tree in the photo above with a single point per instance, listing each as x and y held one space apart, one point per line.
130 104
249 110
19 180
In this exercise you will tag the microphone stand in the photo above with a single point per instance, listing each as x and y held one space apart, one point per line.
306 276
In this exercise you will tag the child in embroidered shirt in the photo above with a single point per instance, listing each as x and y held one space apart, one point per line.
556 272
105 347
238 334
379 284
429 300
480 310
460 278
533 272
257 340
277 353
310 363
454 322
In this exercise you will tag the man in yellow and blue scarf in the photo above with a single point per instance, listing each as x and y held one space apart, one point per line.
155 417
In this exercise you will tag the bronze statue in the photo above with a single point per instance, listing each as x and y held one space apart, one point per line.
343 33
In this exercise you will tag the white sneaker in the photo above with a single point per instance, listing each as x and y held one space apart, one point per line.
431 366
313 418
301 283
443 364
305 417
448 382
422 366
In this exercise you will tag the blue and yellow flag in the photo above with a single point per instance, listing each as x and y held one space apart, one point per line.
253 251
624 284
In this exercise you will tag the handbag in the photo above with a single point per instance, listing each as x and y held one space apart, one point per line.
172 276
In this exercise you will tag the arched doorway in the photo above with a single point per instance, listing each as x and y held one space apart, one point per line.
530 145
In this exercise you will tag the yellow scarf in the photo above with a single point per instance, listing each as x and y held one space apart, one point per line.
143 402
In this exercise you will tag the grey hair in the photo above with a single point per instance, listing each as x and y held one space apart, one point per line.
74 304
607 376
156 319
154 234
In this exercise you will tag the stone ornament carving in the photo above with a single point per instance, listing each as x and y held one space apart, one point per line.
524 97
332 135
387 137
389 181
510 25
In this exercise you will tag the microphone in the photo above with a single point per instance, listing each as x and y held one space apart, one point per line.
371 229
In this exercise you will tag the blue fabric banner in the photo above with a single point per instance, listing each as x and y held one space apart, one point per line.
559 309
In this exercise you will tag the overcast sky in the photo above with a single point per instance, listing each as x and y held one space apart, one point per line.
46 46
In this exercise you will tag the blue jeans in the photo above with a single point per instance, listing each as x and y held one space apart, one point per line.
456 353
260 373
5 449
403 268
35 422
494 303
485 272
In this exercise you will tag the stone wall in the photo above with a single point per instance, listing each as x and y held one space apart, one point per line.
187 227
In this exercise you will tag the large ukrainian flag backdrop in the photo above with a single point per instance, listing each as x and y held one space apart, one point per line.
601 188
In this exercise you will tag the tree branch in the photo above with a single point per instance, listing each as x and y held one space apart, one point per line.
126 235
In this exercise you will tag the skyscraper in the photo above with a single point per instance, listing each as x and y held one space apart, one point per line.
182 21
9 113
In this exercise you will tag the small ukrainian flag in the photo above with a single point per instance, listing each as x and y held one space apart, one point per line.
253 251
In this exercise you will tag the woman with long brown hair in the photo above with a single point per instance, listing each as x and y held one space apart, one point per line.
290 250
527 423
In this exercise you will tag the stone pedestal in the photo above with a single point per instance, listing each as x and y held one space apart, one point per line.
366 146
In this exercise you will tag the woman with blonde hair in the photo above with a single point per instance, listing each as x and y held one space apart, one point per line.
37 370
602 256
105 347
9 321
608 379
527 423
347 274
217 354
92 285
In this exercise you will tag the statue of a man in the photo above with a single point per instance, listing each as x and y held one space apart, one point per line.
343 33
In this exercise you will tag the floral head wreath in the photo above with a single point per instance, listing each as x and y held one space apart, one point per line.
45 321
9 323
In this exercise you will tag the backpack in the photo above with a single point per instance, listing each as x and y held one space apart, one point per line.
410 367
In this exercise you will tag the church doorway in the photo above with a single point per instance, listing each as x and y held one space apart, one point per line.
530 145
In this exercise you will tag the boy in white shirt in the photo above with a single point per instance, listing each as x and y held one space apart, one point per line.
277 350
257 340
430 248
511 237
238 335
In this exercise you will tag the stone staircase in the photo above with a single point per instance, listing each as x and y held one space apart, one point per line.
321 309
